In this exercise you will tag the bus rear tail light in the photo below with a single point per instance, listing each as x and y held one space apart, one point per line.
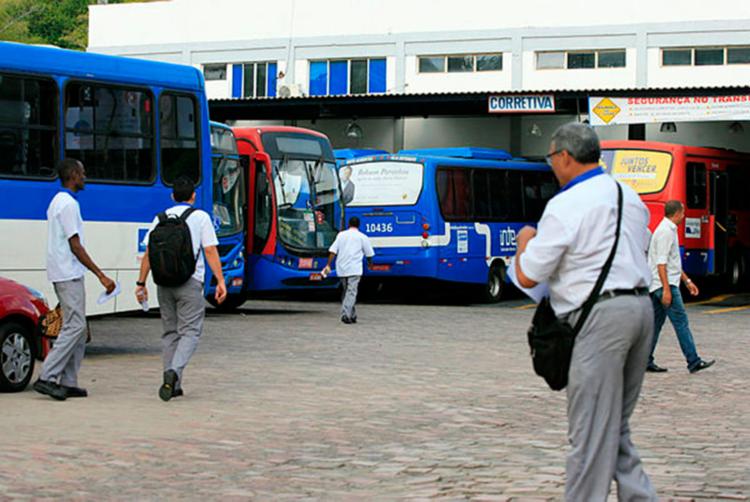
425 235
426 226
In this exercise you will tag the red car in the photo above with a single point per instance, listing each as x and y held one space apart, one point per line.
21 343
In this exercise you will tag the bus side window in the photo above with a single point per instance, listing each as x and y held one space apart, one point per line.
481 194
180 152
696 185
263 208
739 180
28 134
454 193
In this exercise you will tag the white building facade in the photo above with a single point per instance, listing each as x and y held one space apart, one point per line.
302 48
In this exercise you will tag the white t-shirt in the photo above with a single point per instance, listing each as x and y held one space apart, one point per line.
574 239
202 235
350 247
665 250
63 222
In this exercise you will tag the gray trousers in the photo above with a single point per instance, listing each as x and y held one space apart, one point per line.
349 296
182 312
64 360
606 372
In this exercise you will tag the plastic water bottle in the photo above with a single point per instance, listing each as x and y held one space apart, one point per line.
144 305
142 300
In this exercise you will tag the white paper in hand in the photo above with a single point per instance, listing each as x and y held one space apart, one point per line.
104 297
536 293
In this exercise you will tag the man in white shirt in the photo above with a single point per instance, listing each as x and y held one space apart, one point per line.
666 271
182 308
67 261
349 248
568 251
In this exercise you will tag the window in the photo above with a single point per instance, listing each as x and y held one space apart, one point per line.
460 63
696 185
28 134
254 80
739 180
576 60
611 59
738 55
705 56
110 130
215 72
550 60
709 57
180 152
501 195
347 76
677 57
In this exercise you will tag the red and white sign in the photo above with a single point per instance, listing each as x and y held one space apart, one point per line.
646 110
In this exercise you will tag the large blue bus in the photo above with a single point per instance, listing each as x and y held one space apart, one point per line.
447 214
136 125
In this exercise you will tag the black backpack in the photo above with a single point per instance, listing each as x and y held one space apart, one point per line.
170 250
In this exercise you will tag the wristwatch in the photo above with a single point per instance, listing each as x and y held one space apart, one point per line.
139 283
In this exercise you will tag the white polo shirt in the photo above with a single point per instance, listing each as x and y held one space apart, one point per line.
574 239
350 247
202 235
63 222
665 250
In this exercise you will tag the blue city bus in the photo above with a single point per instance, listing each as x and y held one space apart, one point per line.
447 214
346 154
229 206
136 125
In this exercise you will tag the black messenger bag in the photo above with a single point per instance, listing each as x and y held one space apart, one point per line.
551 339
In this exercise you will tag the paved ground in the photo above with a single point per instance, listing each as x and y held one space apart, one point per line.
283 402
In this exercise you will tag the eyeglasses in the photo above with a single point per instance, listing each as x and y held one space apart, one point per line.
548 157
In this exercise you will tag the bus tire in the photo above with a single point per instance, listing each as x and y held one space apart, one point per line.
494 290
737 275
16 357
231 302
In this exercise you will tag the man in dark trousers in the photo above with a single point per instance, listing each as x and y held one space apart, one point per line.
568 251
182 307
67 260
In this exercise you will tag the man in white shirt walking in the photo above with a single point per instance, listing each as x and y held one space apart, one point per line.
568 251
349 248
67 261
182 307
666 272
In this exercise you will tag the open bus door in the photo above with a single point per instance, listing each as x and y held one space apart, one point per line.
719 207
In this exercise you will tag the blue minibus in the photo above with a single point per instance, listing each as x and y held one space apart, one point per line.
447 214
136 126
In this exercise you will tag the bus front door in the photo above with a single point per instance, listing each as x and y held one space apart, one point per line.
719 190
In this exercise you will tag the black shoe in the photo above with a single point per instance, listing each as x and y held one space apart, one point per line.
354 320
346 320
50 389
167 388
702 365
75 392
653 368
177 392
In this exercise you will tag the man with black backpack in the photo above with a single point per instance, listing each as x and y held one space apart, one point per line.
176 243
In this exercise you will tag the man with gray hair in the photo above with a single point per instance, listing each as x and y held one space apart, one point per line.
666 272
568 251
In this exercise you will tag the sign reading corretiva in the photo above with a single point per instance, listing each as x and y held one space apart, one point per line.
520 103
613 111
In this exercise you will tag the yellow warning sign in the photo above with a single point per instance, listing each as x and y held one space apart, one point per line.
606 110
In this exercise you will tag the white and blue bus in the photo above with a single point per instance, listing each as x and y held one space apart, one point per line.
136 125
447 214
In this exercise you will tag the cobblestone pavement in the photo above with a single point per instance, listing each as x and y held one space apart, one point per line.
283 402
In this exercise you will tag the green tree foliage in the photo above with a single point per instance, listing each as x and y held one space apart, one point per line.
63 23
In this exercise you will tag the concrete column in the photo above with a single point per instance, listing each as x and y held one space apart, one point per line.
398 133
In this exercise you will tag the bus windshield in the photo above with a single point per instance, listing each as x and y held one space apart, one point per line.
308 200
229 195
645 171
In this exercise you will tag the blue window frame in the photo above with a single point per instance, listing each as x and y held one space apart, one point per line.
254 80
347 76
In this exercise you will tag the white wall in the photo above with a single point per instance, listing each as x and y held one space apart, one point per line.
180 21
435 132
452 82
604 78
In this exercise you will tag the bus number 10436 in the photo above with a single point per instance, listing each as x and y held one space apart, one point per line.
379 228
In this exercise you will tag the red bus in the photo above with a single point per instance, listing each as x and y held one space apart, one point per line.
293 210
712 184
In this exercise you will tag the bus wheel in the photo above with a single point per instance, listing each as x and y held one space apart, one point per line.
493 291
231 303
737 270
